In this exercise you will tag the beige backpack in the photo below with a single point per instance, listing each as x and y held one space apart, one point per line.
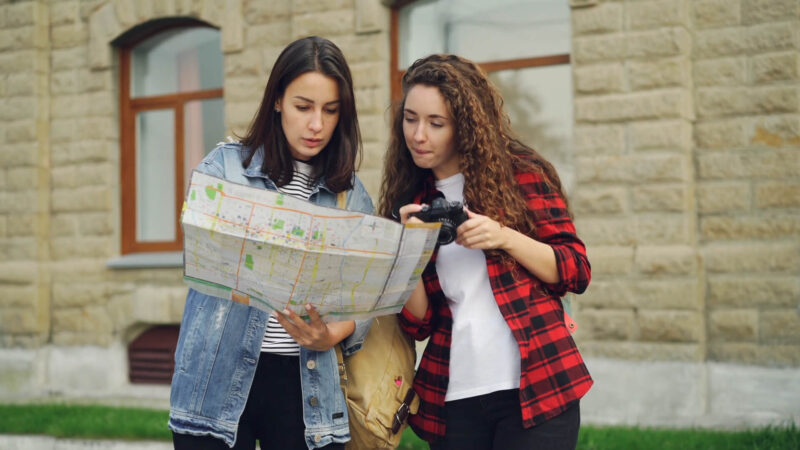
377 383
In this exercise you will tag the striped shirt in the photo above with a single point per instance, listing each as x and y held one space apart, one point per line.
276 339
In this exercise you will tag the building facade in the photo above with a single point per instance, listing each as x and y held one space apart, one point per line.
682 154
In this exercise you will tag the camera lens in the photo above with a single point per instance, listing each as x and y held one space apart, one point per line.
447 233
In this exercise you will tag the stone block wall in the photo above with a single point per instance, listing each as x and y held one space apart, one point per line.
688 161
60 152
634 203
25 183
747 162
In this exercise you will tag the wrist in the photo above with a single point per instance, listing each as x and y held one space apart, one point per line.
507 238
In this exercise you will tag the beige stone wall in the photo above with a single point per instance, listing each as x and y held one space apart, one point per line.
747 73
688 166
687 143
25 183
59 148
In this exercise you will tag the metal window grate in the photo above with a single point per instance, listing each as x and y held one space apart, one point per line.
151 355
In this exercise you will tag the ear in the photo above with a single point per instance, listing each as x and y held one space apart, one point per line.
278 106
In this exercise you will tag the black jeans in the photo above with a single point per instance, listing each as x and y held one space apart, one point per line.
273 415
494 422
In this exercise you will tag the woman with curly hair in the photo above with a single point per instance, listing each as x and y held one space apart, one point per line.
500 370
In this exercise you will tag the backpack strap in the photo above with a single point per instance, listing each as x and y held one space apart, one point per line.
341 203
341 200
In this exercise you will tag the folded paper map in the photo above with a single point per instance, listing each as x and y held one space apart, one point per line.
273 251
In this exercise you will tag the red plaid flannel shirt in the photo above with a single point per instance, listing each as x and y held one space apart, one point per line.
553 376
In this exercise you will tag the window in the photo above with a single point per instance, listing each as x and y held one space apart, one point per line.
172 114
523 45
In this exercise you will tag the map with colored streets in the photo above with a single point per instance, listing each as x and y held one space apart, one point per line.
273 251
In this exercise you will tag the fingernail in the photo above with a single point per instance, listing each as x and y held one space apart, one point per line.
285 312
308 306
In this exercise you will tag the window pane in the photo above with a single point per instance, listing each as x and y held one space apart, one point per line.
484 31
155 175
181 60
204 126
539 102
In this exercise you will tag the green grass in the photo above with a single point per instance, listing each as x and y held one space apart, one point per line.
103 422
84 421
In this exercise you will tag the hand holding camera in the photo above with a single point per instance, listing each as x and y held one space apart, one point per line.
449 214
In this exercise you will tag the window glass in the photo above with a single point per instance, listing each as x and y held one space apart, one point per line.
484 31
204 126
180 60
538 101
155 175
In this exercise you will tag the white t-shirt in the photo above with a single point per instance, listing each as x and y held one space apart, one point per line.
484 357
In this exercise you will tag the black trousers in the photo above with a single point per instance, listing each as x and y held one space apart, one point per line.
273 415
494 422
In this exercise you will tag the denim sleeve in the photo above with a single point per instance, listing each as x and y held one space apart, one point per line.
213 163
353 343
358 198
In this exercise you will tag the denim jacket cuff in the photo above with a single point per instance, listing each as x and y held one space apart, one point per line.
352 343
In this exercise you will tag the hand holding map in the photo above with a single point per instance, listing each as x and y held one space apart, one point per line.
273 251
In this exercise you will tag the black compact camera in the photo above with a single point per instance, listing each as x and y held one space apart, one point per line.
450 214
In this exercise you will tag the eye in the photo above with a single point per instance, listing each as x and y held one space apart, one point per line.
332 110
303 107
409 119
437 125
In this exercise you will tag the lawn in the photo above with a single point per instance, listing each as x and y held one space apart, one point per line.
102 422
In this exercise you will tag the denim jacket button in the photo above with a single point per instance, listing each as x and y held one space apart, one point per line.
317 438
311 364
313 401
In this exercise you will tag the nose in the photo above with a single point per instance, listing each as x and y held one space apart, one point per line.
315 125
419 132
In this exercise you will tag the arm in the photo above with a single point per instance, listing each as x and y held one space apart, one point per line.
481 232
556 256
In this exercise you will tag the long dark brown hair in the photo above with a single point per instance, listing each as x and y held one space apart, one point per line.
339 160
489 151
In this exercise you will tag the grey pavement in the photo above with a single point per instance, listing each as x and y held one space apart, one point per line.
19 442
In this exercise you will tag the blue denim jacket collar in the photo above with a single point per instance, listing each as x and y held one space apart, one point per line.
253 170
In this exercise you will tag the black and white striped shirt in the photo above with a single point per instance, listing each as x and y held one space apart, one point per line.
276 339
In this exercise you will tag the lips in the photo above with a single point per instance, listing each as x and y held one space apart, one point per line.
311 142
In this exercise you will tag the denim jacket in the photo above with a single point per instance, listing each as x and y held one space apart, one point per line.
220 340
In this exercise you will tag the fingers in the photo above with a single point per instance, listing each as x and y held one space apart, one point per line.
405 210
479 232
312 334
289 321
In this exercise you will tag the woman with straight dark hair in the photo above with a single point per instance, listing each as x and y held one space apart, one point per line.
500 370
242 375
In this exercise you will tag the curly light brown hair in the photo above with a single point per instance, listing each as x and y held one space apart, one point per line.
489 151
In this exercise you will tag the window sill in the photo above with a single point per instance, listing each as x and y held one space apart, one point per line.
147 261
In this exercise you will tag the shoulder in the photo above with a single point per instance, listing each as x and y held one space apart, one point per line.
225 157
532 181
358 198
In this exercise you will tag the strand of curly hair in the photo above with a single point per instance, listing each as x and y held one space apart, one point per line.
489 151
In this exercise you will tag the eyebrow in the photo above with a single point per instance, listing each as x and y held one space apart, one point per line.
434 116
300 97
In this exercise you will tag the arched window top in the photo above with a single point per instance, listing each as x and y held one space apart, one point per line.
177 60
